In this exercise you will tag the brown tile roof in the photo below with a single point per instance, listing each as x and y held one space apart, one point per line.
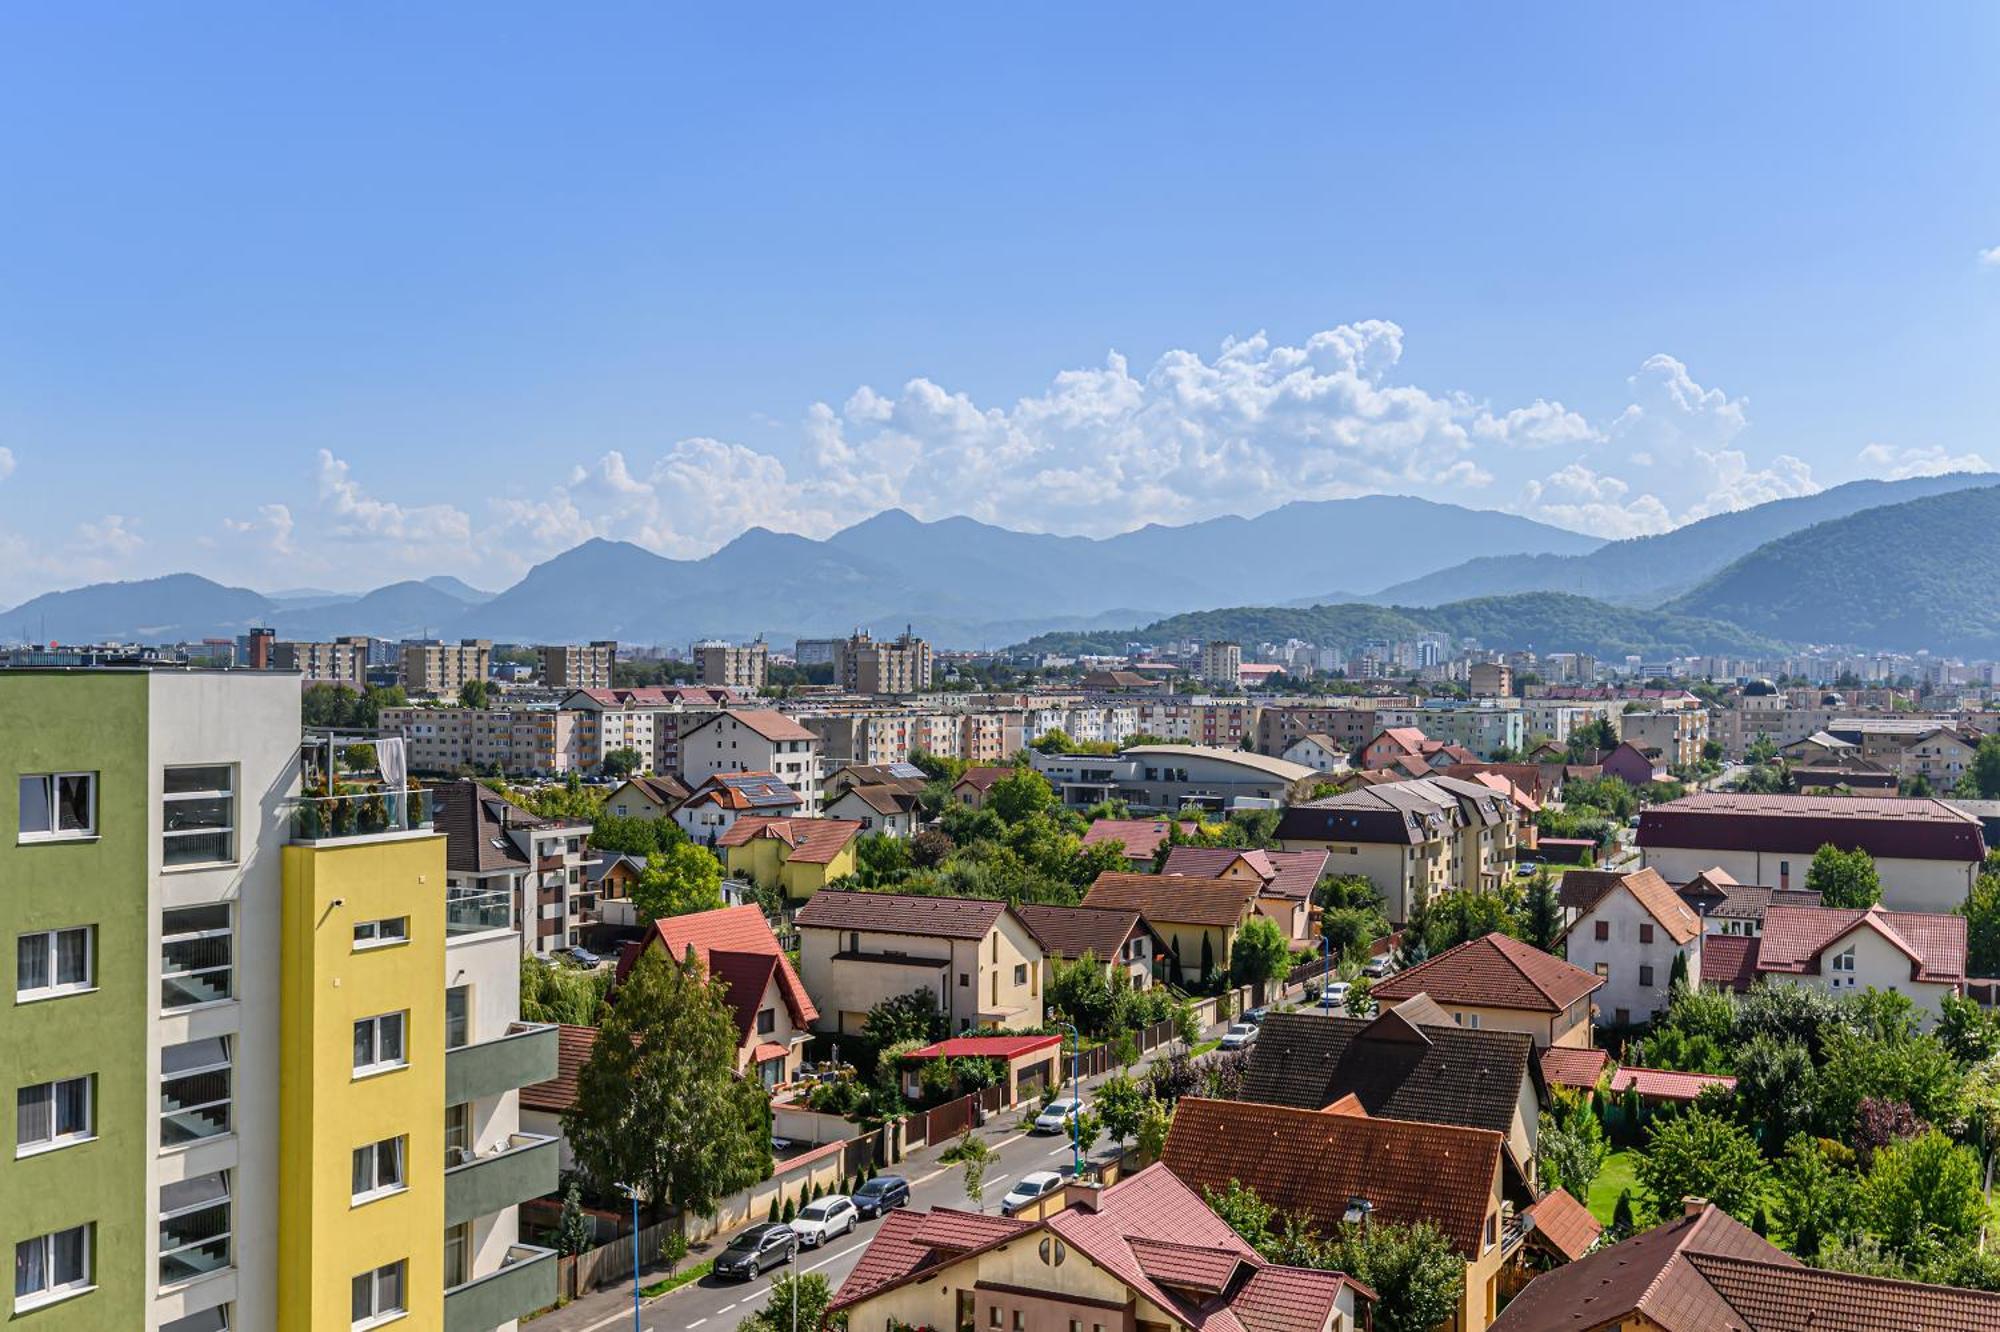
735 944
1563 1225
982 778
1311 1162
1175 899
1776 1297
1141 837
1729 960
1883 826
661 789
883 798
907 1244
900 913
1070 932
1568 1066
1661 1084
1581 889
808 841
573 1047
766 722
1795 937
1292 874
1493 972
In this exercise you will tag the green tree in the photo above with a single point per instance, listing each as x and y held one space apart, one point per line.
1361 997
1919 1072
1156 1120
1700 1154
1924 1194
904 1017
1243 1211
1349 930
1982 922
562 994
658 1104
797 1299
476 694
682 879
1261 952
1416 1274
1539 918
1844 878
1120 1105
1021 795
1813 1197
573 1228
1454 918
1774 1088
1985 772
1570 1143
972 1154
621 762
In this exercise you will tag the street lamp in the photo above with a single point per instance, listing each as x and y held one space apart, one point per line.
1076 1100
1326 969
633 1194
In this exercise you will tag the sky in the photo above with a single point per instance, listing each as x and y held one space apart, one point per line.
327 296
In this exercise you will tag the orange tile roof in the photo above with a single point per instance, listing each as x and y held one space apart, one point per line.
1660 1084
735 944
1176 899
1568 1066
1140 837
1665 905
1494 971
573 1047
807 841
1564 1225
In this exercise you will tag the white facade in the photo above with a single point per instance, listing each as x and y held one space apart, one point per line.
1907 885
731 744
1622 942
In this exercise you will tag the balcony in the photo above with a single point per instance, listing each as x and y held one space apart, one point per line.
525 1282
524 1056
523 1167
355 815
475 910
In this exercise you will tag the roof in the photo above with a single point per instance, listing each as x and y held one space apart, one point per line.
662 789
1795 937
1282 769
985 1047
1494 971
1659 900
883 798
1292 874
1705 1272
1314 1163
1142 837
595 870
983 777
900 913
1439 1074
573 1047
1406 813
1729 960
1886 827
1569 1066
1070 932
908 1244
1563 1225
808 841
1175 899
768 723
1660 1084
737 946
474 819
1713 892
746 790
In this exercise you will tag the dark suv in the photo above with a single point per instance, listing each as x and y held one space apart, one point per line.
760 1247
880 1194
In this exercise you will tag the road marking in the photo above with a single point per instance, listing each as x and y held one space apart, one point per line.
607 1321
727 1307
696 1323
1008 1142
831 1258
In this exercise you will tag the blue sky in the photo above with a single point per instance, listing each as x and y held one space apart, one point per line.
341 294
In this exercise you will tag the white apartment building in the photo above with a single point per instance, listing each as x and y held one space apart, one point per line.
754 740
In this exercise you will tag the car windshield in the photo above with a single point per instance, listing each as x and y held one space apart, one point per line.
816 1212
749 1239
1061 1107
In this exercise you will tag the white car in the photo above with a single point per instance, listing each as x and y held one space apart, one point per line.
1335 994
1034 1185
1239 1036
818 1222
1056 1118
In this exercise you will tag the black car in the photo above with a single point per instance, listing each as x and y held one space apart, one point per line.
760 1247
880 1194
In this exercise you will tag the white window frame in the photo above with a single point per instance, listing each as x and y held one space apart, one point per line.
55 833
226 1065
169 835
56 989
368 1163
227 1202
376 1026
1843 962
371 934
50 1294
224 932
57 1140
377 1315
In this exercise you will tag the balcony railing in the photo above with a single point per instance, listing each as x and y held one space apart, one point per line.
474 910
357 814
523 1167
524 1056
524 1282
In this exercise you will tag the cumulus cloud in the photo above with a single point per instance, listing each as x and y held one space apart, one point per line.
1579 498
110 536
356 514
271 528
1898 461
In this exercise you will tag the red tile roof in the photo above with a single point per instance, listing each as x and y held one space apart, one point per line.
900 913
1141 837
1568 1066
1563 1225
1176 899
1292 874
986 1047
908 1244
983 777
1494 972
808 841
1795 938
1660 1084
573 1047
736 945
766 722
1729 960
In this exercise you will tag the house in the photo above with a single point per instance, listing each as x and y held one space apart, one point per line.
1630 937
1342 1165
1705 1271
1409 1061
1927 852
1170 778
507 868
976 957
796 857
727 796
970 790
544 1103
1499 983
753 740
1411 839
1318 751
647 797
1286 880
610 879
903 775
1116 936
1141 838
1144 1253
1728 907
879 808
1843 951
1634 766
1198 918
774 1014
1677 735
1032 1062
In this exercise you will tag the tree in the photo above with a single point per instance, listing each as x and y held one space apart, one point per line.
1349 930
1985 771
573 1228
1920 1073
1774 1088
1120 1105
1456 918
621 762
1261 953
1088 1127
562 994
1924 1193
1844 878
972 1154
476 694
1244 1212
798 1299
1540 917
673 1250
658 1104
1570 1144
1623 1223
1814 1199
1969 1032
1021 795
1361 997
905 1017
1416 1274
1156 1120
1700 1154
683 879
1982 923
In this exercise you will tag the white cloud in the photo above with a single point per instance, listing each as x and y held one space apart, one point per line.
271 528
6 462
1579 498
356 514
1896 462
110 536
1990 258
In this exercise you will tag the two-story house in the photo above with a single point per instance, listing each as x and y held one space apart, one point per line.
1411 839
1499 983
753 740
797 857
1630 938
647 797
1117 937
1285 880
774 1014
977 958
1843 951
728 796
1198 918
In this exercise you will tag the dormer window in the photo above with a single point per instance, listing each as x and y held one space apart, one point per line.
1843 962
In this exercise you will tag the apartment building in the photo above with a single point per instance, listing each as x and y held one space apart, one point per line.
437 669
1490 679
729 666
1280 726
647 720
754 740
902 665
193 1118
1485 728
1678 735
500 854
1221 663
344 661
540 742
577 665
1411 839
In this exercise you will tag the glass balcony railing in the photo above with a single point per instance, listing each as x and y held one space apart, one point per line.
471 910
357 814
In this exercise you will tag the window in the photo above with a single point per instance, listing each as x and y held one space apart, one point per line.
377 933
378 1170
1601 931
49 1115
198 815
208 1320
1020 973
1604 971
457 1254
457 1016
1645 974
378 1295
194 1091
767 1021
56 805
378 1043
54 962
194 1227
1646 932
49 1267
457 1134
195 950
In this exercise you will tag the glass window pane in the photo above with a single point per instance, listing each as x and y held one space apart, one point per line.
364 1043
392 1038
31 1266
392 1286
457 1016
67 1266
73 957
73 803
31 961
208 1320
34 1115
214 777
206 1053
73 1106
389 1163
36 816
195 919
362 1303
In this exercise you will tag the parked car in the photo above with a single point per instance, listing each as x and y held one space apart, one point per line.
1378 967
829 1218
1239 1036
582 956
1056 1118
881 1194
765 1245
1335 994
1255 1017
1034 1185
1526 868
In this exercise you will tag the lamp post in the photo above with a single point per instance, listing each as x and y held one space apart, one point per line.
1326 969
633 1194
1076 1099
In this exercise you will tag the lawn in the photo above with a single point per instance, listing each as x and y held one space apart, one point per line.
1612 1180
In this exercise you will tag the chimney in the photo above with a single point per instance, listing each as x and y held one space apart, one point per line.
1082 1194
1693 1206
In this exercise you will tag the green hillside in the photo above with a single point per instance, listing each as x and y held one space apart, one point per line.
1546 621
1921 574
